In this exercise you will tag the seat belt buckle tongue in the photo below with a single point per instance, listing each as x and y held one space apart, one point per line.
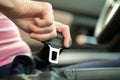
54 54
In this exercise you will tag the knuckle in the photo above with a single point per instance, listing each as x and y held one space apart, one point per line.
66 28
48 4
49 22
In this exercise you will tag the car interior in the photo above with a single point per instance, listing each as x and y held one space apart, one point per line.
95 36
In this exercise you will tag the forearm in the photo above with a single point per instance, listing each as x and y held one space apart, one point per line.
12 8
6 5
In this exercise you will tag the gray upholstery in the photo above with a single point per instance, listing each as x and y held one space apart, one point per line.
93 74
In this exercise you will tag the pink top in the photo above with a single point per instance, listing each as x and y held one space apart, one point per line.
11 43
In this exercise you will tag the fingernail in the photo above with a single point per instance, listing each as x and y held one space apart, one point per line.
70 43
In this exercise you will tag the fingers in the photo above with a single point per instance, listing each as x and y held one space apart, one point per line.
40 30
43 22
44 34
65 30
43 37
46 16
44 28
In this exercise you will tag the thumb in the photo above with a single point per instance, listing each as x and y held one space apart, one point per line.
65 30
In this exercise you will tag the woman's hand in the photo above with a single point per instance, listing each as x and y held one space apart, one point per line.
25 13
35 18
62 28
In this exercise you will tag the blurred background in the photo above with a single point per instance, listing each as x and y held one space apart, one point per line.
83 16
